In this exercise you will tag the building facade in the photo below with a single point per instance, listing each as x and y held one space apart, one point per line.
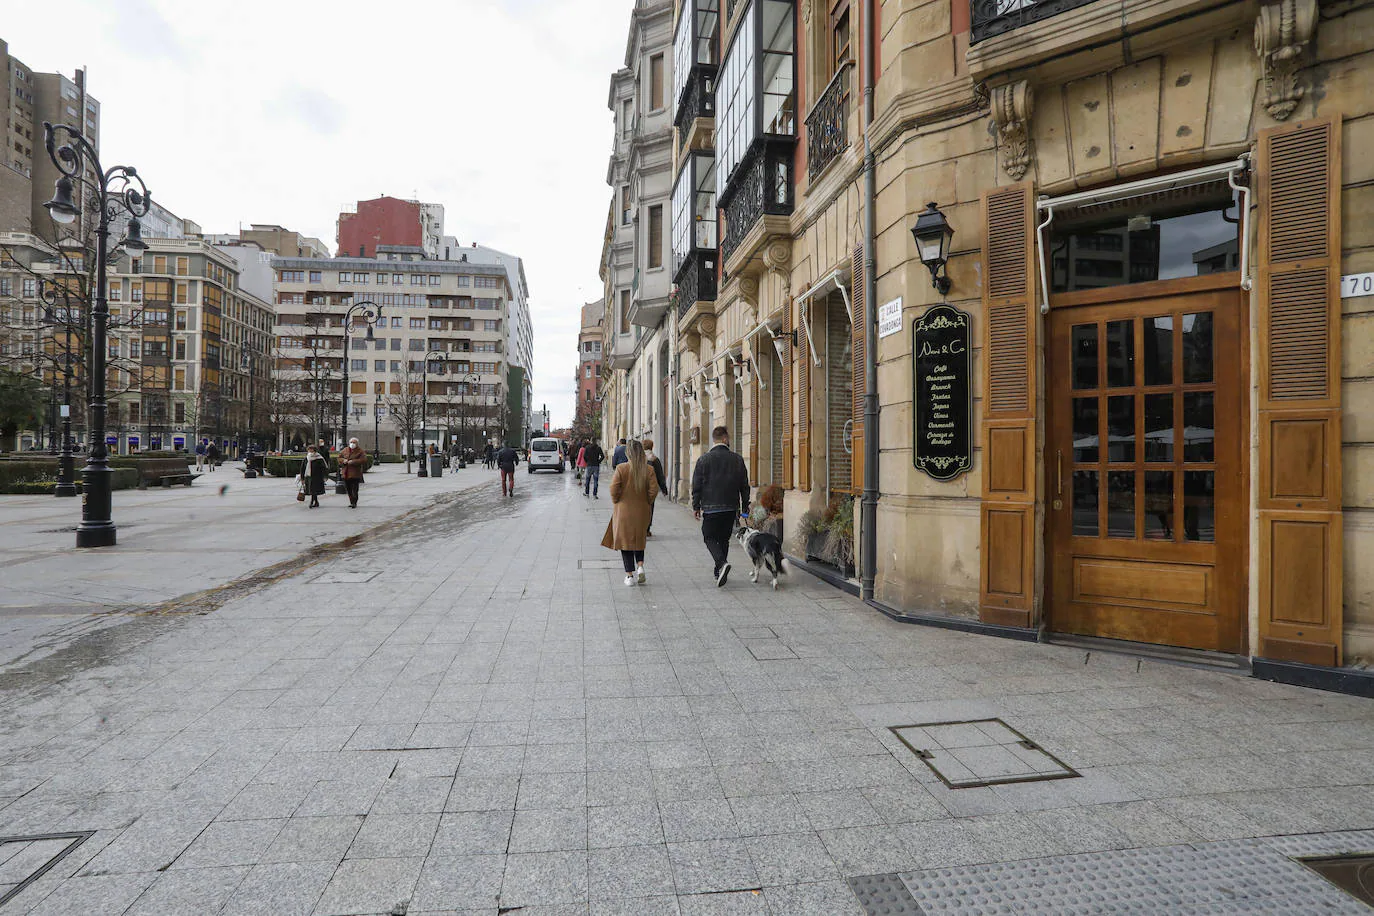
1166 389
434 371
587 375
390 221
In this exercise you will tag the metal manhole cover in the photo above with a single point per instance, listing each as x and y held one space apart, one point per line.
1353 874
25 859
599 564
344 578
980 752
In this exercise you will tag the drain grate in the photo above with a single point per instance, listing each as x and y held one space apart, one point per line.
980 752
356 577
25 859
1353 874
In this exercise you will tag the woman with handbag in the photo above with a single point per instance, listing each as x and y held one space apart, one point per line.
352 462
313 476
633 491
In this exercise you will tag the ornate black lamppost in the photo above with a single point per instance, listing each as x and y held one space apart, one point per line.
377 429
51 294
442 359
249 472
119 188
369 313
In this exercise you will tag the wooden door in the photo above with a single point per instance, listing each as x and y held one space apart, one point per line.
1145 466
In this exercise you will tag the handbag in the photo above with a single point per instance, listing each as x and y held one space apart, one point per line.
300 490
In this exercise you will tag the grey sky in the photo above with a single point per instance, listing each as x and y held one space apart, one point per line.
280 112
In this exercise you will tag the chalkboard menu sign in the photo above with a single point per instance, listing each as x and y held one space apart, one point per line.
942 361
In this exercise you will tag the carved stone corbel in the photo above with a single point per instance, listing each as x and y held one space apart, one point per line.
1012 105
1283 32
777 257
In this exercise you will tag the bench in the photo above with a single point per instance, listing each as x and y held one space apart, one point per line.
164 472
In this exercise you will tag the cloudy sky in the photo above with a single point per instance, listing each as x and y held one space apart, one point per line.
280 112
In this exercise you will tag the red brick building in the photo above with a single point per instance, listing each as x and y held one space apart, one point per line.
392 222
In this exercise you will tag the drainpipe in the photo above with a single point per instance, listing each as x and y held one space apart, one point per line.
868 519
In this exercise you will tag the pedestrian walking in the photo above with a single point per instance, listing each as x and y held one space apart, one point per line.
618 456
720 494
323 449
487 454
200 455
592 455
581 460
313 475
633 491
212 455
352 464
657 467
506 460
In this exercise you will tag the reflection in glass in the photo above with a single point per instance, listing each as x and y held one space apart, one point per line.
1159 427
1085 356
1197 347
1199 505
1120 354
1159 505
1085 429
1085 503
1120 504
1159 350
1198 427
1121 428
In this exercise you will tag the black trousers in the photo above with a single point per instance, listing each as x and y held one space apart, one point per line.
351 487
716 529
631 559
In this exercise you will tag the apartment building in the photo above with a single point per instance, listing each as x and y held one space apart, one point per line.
390 221
274 239
1162 393
636 256
27 176
443 338
587 376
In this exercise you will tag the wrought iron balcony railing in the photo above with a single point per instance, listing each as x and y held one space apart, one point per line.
696 280
762 185
995 17
698 98
827 126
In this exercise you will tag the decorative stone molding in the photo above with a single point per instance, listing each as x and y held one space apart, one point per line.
1012 105
749 290
777 257
1283 32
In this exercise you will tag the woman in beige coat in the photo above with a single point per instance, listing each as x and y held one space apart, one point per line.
633 491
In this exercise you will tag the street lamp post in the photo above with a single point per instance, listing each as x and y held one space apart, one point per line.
377 430
66 475
119 188
249 472
424 406
370 313
466 382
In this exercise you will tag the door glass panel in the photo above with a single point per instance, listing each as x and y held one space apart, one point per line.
1085 429
1159 505
1197 347
1198 427
1085 356
1120 504
1121 428
1085 503
1159 427
1159 350
1199 505
1120 354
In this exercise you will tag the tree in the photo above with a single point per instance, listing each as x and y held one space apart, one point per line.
587 420
21 404
403 404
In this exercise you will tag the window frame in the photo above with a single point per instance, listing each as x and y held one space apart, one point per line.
734 142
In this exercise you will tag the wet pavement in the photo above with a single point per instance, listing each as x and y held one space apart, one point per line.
468 712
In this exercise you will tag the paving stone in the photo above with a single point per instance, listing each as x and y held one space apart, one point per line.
459 882
634 824
230 843
629 871
313 839
190 891
697 819
712 866
394 835
544 878
283 889
548 829
369 886
471 833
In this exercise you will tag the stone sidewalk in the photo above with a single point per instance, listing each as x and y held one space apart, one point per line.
473 713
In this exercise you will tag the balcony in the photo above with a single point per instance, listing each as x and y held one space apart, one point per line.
827 126
760 188
696 280
696 107
995 17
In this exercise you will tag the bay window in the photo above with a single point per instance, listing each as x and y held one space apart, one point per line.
694 208
694 60
757 88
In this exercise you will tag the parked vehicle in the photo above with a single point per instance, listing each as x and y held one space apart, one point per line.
545 455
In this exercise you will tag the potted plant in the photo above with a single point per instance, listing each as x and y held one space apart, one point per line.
840 532
767 513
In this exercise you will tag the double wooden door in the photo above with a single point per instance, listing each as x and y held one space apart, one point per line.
1145 464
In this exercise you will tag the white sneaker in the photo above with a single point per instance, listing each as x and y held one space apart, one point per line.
639 574
630 580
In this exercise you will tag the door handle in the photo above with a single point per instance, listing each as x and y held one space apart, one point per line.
1059 472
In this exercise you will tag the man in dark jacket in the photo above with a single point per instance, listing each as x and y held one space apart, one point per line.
720 494
593 455
506 460
618 457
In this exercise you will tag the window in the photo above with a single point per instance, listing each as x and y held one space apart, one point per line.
656 82
181 320
694 42
488 305
181 349
116 289
395 365
624 311
184 266
30 288
395 322
357 365
159 264
395 343
379 365
762 53
417 324
435 280
487 282
655 236
287 276
183 293
397 279
587 371
491 324
694 208
415 343
464 281
625 214
179 409
379 343
316 276
417 280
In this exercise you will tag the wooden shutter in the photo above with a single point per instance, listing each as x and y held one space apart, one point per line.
803 400
1007 557
858 349
1298 302
755 408
787 477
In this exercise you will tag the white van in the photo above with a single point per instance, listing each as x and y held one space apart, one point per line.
545 455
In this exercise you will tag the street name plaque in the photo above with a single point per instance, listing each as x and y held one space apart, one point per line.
942 362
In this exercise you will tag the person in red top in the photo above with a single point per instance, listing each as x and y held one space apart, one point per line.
352 463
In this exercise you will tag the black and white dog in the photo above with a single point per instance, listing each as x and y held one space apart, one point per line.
765 552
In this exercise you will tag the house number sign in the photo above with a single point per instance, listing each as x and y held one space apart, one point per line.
942 362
